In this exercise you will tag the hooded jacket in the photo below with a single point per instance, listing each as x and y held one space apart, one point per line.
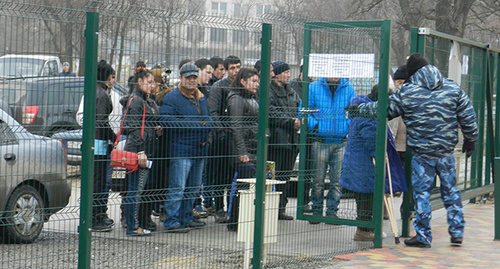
188 123
358 171
330 123
432 108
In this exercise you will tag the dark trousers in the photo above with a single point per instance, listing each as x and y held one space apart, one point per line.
219 170
100 196
284 159
364 207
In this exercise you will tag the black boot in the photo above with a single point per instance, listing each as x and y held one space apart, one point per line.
99 225
413 242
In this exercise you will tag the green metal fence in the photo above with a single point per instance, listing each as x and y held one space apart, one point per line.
41 189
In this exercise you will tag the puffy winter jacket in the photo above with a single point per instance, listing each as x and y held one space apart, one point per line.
330 123
358 171
432 108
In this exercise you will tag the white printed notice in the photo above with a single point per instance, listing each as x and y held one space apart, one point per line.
341 65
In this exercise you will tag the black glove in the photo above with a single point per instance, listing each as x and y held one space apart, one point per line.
352 111
468 148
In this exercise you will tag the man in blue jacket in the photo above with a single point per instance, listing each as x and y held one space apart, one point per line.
185 114
432 108
328 130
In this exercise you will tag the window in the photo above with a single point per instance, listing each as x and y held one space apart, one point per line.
6 134
195 34
218 35
262 9
240 10
219 8
240 37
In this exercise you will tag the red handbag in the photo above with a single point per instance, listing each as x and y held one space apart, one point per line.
122 158
125 159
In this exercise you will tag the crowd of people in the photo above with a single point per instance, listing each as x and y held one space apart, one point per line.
195 139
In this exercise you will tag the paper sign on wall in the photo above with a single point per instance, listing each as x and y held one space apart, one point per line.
341 65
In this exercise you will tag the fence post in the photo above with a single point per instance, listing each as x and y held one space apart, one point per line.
260 187
497 200
385 46
87 167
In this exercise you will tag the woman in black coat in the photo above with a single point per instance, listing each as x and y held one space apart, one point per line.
243 111
140 139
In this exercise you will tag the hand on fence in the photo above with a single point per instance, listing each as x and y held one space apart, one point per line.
296 124
468 148
352 111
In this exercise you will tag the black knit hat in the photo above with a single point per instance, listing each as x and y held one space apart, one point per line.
400 73
280 67
415 62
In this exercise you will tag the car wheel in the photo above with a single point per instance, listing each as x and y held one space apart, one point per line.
23 218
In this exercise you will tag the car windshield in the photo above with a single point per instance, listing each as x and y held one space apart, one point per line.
20 67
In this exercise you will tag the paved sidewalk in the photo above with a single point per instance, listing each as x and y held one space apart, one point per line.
479 249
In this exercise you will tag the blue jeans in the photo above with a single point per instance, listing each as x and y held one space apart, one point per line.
185 185
326 157
136 182
423 172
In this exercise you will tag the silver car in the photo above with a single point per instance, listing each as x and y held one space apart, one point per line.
33 181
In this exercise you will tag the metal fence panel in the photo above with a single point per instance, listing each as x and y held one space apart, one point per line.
63 206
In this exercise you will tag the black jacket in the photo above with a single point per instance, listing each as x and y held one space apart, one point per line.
103 107
243 109
133 123
218 107
283 106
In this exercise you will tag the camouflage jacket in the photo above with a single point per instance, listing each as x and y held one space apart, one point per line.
432 107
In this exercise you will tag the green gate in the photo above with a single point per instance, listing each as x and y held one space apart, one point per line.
365 44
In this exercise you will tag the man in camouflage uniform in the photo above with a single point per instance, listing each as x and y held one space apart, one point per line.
432 108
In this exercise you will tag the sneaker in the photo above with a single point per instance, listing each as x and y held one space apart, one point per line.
196 224
221 216
413 242
361 235
284 216
198 212
177 229
211 210
456 240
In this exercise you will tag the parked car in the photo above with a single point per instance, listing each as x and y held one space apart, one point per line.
33 181
44 106
29 65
